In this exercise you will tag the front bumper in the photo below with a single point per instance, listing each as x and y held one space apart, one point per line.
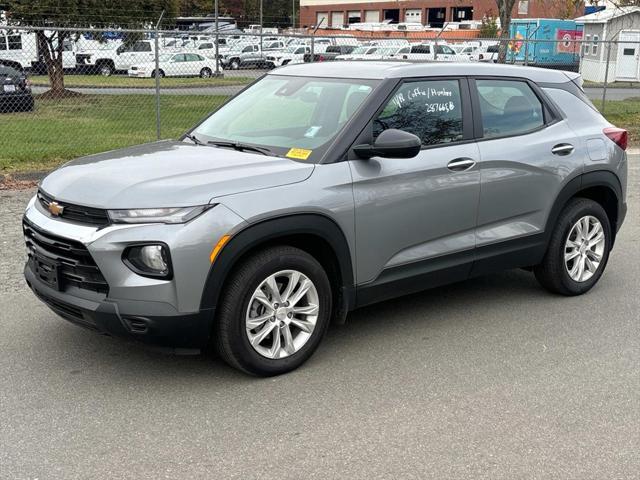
166 312
152 323
19 101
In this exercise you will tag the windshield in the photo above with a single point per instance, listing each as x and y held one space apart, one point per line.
284 113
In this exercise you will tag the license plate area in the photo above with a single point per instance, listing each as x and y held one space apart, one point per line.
9 88
48 272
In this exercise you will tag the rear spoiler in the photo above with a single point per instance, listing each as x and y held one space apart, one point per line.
575 78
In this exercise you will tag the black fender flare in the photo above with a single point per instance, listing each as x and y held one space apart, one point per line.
270 230
598 178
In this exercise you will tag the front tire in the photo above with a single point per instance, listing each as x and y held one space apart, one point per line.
205 73
578 250
274 312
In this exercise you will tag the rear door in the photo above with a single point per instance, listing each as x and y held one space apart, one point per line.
527 154
418 215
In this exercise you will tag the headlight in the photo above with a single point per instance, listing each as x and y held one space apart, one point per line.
150 260
157 215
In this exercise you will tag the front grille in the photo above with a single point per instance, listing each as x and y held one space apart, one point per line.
72 259
76 213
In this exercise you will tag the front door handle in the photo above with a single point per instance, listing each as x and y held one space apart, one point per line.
460 164
563 149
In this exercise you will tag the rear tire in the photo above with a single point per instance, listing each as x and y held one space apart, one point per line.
576 256
250 318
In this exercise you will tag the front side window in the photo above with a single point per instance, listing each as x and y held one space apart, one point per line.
431 109
443 49
285 112
421 49
508 107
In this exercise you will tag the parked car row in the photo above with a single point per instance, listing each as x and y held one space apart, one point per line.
236 52
18 49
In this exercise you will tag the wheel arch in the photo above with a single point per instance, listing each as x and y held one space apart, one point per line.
316 234
601 186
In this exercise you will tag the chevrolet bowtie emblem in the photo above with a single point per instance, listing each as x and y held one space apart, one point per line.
55 209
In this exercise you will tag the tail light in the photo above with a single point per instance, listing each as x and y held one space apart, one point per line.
619 136
321 58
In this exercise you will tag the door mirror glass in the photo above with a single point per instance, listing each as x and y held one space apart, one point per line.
391 143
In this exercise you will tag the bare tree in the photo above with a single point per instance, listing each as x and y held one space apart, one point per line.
505 10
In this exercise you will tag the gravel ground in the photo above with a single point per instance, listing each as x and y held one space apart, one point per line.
490 378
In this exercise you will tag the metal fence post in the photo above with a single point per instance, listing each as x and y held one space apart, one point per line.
606 78
217 74
157 75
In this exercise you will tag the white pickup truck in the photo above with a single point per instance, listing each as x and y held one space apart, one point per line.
111 58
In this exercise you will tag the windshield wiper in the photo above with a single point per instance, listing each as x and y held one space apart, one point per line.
241 147
194 139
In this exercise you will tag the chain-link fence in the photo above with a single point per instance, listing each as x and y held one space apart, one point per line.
66 93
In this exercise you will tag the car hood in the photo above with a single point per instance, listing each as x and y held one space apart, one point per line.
168 174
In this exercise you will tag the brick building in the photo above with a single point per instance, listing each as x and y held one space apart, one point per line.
428 12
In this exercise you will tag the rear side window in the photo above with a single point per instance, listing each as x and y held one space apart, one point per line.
508 107
431 109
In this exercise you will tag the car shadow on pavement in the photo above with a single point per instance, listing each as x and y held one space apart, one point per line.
369 327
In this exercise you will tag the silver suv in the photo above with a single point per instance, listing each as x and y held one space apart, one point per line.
322 188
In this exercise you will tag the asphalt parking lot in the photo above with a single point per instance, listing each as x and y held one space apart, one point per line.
490 378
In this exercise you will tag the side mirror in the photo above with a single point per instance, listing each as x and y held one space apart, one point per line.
391 143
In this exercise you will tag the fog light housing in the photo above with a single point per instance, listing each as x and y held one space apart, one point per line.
149 260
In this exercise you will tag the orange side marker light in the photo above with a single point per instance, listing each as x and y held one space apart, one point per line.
219 246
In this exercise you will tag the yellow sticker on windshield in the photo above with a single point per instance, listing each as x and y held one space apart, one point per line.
299 153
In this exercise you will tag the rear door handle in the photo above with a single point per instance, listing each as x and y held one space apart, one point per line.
460 164
563 149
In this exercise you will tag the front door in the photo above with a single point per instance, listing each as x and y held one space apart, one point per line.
628 66
417 215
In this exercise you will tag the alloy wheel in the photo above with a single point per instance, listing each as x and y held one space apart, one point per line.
282 314
584 248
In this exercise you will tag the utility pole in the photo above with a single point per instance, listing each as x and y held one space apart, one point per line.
293 14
